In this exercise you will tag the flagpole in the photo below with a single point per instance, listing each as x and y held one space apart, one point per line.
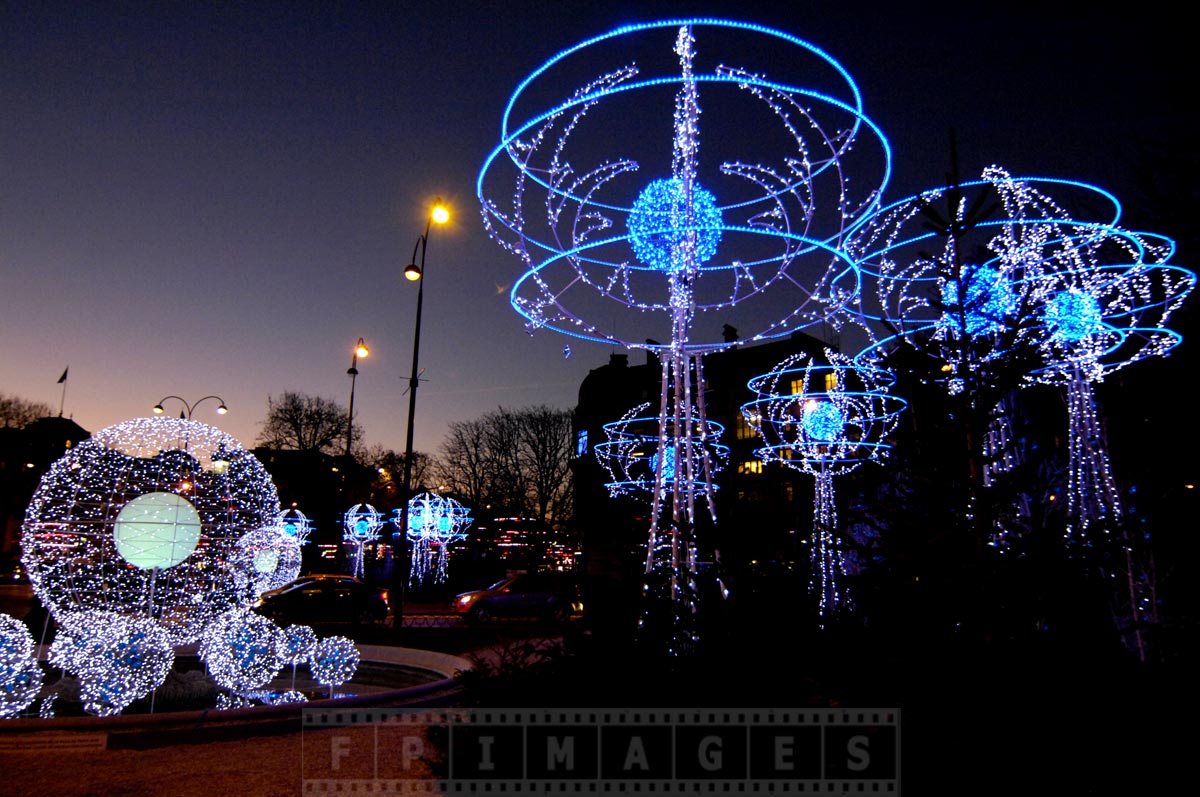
62 380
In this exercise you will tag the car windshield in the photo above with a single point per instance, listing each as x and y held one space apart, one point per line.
500 583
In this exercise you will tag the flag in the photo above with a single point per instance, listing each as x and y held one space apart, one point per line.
63 378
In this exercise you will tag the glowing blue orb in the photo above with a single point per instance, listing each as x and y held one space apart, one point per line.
1073 315
157 530
989 301
668 463
822 421
662 221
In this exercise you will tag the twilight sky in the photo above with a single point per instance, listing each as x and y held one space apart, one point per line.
218 198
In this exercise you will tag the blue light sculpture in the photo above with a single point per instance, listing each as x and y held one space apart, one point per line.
754 234
361 523
434 522
826 420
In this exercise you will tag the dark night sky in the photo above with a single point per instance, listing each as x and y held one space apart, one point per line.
201 198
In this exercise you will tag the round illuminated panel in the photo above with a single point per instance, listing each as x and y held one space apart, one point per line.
157 530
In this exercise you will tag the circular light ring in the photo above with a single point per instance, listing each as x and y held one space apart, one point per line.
69 540
787 214
435 517
1041 247
242 650
117 658
823 419
334 661
630 453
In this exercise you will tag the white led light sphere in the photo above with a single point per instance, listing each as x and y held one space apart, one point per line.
143 519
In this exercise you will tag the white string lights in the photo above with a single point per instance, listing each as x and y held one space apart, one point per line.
117 658
242 650
675 236
826 420
333 662
361 525
265 559
141 520
20 673
434 522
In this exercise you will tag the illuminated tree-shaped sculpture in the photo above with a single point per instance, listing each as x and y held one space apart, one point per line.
361 523
296 525
20 673
142 519
752 237
826 420
118 659
630 454
1102 310
434 522
265 559
960 276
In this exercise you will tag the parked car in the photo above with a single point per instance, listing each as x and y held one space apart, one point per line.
324 598
551 596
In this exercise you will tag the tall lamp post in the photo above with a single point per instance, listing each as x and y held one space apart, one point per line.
158 408
360 350
413 273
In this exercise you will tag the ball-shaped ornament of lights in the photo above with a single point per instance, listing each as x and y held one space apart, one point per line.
117 658
334 661
142 519
434 522
618 205
265 559
242 650
824 419
20 673
635 443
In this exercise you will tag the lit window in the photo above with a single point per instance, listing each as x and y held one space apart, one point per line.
742 428
750 466
581 443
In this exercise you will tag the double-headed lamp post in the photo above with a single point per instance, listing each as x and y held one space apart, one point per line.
221 408
413 272
360 350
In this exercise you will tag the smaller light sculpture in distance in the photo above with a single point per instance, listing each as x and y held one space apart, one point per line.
362 524
634 445
826 420
434 522
295 524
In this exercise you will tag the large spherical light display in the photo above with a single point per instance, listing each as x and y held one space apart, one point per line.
157 530
143 519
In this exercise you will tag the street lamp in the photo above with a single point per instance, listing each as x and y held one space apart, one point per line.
360 350
413 273
158 408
